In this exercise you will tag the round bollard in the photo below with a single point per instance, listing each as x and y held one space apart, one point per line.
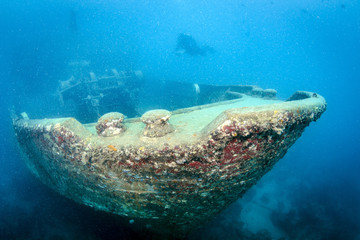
156 123
110 124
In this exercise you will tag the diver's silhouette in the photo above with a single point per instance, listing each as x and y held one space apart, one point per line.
186 44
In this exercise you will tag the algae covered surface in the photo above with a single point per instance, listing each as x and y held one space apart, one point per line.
176 181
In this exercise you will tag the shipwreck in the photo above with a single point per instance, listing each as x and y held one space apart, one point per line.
169 170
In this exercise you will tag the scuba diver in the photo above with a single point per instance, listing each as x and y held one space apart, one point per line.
186 44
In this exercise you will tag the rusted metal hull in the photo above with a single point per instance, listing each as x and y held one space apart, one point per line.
174 183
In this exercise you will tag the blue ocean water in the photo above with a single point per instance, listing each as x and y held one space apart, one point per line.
312 193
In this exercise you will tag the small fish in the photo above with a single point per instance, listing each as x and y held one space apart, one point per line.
111 147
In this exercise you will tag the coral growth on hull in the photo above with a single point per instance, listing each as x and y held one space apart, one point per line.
175 181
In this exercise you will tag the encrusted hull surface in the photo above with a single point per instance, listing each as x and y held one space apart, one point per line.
173 183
